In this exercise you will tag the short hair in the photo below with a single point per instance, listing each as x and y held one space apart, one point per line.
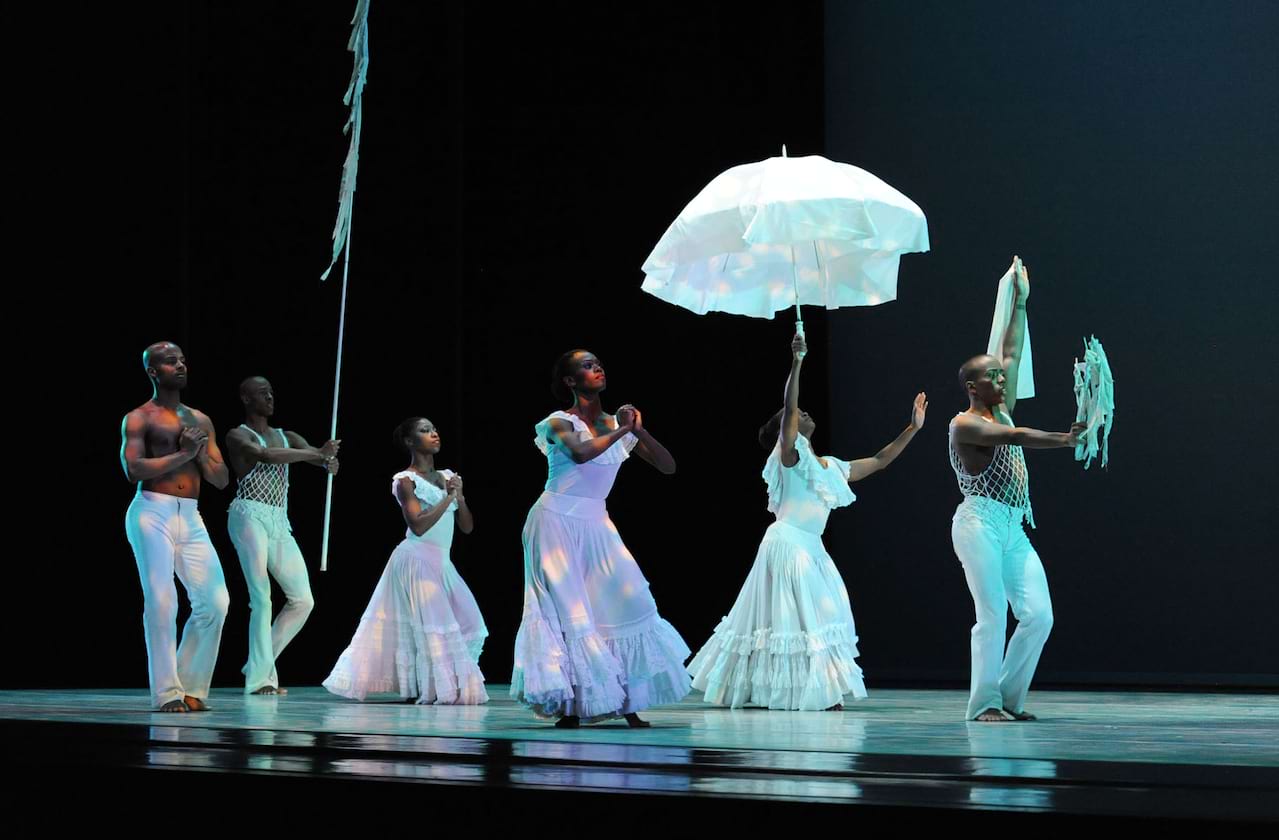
970 369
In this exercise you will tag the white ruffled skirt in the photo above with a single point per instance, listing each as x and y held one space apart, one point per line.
789 641
591 642
420 636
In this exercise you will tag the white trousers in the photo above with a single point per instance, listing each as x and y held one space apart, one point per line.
264 542
1002 569
168 536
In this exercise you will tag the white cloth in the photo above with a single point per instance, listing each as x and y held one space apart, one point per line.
591 642
263 540
995 344
168 536
789 641
1001 568
422 632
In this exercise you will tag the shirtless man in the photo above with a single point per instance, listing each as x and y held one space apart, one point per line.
169 449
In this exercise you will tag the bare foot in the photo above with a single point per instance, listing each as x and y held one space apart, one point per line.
568 722
270 689
634 722
174 706
838 707
195 704
1022 715
991 716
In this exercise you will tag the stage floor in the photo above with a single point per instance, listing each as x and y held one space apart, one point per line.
1139 754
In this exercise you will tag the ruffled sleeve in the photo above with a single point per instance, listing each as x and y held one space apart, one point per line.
829 484
426 492
843 466
545 440
542 437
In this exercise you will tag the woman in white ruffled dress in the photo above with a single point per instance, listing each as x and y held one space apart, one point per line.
591 644
422 632
789 641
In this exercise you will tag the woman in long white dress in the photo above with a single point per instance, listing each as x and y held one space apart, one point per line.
591 644
422 632
789 641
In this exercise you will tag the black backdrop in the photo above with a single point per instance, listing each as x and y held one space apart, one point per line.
1127 153
516 168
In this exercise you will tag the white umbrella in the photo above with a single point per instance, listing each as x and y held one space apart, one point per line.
786 231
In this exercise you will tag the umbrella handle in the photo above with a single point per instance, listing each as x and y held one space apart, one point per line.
799 316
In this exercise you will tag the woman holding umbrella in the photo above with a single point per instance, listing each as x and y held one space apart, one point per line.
789 641
591 644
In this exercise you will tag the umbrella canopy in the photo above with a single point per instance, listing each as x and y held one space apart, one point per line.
786 231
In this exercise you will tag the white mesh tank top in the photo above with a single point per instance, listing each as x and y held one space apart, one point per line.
267 484
1005 479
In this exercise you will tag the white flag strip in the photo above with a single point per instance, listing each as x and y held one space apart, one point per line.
354 97
1095 403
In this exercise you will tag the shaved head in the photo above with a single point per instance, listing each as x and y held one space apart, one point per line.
252 383
975 369
157 350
